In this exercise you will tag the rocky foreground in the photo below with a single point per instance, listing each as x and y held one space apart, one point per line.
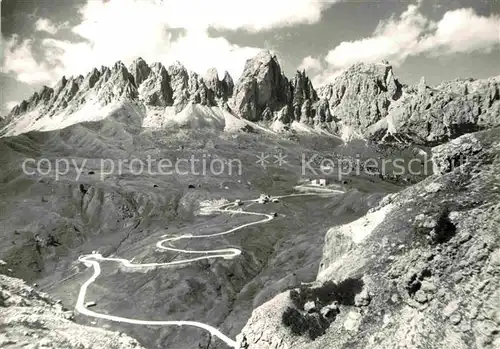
31 319
421 270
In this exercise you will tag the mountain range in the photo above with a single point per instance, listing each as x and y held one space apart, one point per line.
366 101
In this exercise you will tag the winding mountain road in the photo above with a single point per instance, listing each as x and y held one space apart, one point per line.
93 260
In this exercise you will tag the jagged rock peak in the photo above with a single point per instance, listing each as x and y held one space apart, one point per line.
46 93
60 84
140 71
91 79
227 77
211 75
262 63
120 68
361 95
177 67
154 84
261 86
303 88
264 57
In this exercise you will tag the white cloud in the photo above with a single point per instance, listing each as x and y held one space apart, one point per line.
326 76
19 60
198 52
46 25
463 31
412 34
124 30
310 64
394 40
252 15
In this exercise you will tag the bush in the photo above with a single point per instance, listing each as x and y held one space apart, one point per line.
325 294
344 293
444 230
295 320
301 297
347 290
315 324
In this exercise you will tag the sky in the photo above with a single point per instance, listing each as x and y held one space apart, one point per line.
42 40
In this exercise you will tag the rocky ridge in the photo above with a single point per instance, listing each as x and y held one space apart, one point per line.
366 101
264 93
154 84
427 260
372 103
31 319
361 96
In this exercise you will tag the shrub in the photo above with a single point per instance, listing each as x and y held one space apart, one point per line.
348 289
444 230
295 320
325 294
344 293
299 298
315 324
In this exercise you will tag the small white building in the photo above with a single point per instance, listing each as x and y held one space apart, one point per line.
264 198
319 182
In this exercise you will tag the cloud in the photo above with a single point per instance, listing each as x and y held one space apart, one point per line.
326 76
393 40
127 29
197 51
46 25
412 34
19 60
463 31
253 15
311 64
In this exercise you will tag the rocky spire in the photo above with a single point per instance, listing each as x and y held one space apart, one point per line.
140 71
261 85
362 95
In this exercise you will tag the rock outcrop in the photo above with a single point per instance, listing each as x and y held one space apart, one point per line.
264 93
428 260
69 94
371 102
31 319
434 115
261 89
155 85
361 96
